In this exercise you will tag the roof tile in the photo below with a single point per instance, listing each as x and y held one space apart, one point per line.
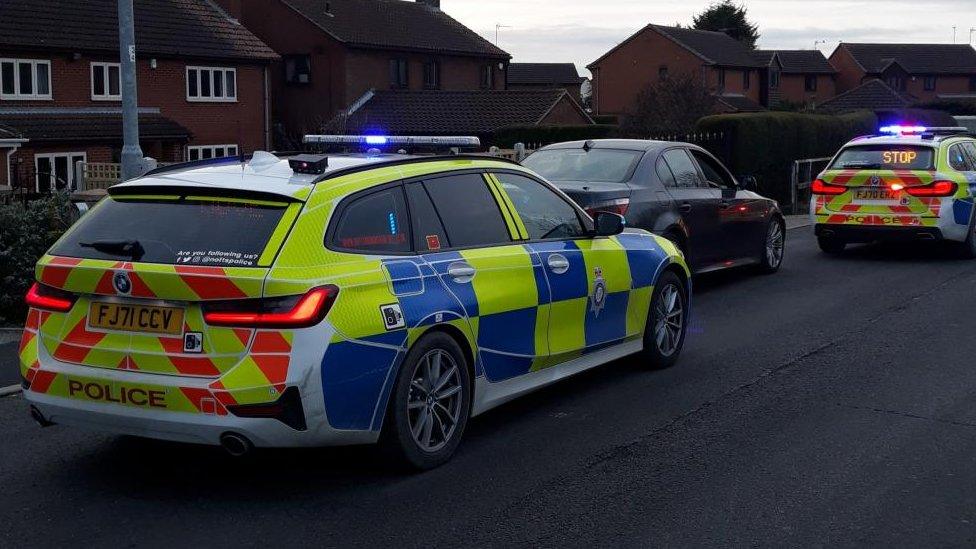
915 58
543 73
872 95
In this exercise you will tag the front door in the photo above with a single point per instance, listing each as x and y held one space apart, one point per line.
741 215
698 204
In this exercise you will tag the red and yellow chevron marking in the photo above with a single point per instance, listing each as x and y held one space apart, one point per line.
916 211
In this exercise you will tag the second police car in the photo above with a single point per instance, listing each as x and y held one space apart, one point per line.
910 183
337 299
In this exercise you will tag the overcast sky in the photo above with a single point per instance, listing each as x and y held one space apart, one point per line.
582 30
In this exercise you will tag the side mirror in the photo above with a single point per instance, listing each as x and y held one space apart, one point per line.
608 224
749 183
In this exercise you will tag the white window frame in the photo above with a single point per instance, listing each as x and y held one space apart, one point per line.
211 71
71 183
105 68
213 149
29 96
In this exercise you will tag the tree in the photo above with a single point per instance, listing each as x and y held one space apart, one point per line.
672 106
729 18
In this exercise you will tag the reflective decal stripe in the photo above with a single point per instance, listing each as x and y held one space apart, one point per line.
515 227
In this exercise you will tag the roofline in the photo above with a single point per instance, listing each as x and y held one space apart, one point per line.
665 34
618 46
143 53
849 54
458 53
564 94
854 89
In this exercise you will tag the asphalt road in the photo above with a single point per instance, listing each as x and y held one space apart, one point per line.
831 404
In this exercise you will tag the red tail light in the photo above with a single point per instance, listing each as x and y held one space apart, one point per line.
822 187
300 311
618 206
45 297
939 188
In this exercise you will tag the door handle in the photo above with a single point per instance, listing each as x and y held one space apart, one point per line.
461 272
685 208
558 264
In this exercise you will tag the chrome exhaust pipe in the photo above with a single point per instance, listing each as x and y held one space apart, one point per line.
235 444
39 418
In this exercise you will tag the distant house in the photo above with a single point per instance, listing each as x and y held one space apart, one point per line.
541 76
656 53
926 72
201 83
334 51
479 112
873 95
800 77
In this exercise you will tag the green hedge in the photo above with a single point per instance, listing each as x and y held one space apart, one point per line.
957 107
506 138
765 144
26 232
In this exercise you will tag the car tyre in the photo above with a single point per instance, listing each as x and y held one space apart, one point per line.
831 245
430 404
667 323
774 246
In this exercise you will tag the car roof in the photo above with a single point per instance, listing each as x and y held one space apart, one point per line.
912 139
645 145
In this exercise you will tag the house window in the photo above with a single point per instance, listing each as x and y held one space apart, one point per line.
56 171
298 69
662 73
721 78
206 152
746 79
810 83
399 76
25 79
213 84
929 83
432 74
106 81
897 83
774 79
487 77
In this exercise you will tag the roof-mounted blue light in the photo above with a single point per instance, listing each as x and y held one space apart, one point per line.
394 140
903 130
376 140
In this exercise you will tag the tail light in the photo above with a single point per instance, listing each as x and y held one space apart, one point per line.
45 297
939 188
822 187
300 311
618 206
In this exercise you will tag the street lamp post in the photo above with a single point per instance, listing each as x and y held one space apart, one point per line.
132 159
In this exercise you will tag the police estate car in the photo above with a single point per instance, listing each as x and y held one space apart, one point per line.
912 183
337 299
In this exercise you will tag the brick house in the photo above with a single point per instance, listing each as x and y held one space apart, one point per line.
655 52
926 72
873 95
201 79
799 77
335 51
543 76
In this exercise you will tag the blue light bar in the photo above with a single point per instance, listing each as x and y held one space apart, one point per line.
903 130
376 140
394 140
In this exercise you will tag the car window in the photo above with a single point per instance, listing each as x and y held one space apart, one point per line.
970 149
544 213
593 165
958 159
196 232
685 172
665 175
429 233
714 172
375 223
885 157
468 210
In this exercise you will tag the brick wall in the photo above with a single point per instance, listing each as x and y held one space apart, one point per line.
564 114
792 88
735 81
849 73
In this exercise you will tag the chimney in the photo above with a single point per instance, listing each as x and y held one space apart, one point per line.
433 4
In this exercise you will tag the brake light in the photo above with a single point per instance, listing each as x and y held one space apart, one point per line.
45 297
939 188
280 312
618 206
822 187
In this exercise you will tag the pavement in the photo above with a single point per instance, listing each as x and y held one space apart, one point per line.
833 403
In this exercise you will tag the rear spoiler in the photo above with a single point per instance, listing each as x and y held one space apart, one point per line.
184 191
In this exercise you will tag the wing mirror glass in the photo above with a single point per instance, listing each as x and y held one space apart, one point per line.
608 224
749 183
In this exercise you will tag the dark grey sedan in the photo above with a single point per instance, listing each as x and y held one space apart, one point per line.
676 190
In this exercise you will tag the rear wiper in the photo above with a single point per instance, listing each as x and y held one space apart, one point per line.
863 165
124 248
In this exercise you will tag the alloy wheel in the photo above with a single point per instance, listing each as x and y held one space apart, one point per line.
669 320
774 245
435 400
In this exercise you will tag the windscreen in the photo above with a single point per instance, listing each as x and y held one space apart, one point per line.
595 165
885 157
177 232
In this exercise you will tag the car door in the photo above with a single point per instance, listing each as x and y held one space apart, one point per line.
479 262
740 215
589 278
698 205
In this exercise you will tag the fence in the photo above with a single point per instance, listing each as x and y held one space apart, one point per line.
97 175
804 172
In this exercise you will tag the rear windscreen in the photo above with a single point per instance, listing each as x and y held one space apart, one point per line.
177 232
885 157
595 165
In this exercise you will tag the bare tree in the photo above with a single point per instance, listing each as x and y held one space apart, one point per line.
672 105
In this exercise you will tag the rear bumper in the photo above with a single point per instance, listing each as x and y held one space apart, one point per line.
865 233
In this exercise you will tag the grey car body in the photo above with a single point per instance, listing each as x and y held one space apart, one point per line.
677 190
